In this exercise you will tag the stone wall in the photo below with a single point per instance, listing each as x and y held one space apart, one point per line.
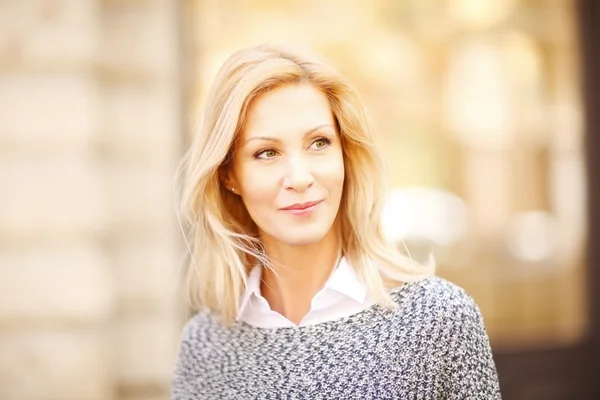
89 139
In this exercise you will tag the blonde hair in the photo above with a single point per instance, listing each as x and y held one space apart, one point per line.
222 238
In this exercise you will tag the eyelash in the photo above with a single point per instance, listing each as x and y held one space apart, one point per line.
262 151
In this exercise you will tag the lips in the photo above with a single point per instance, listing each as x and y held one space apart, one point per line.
302 206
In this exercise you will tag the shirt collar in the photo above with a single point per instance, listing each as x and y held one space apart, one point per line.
252 288
343 280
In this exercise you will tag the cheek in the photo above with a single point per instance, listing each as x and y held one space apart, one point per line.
333 172
258 187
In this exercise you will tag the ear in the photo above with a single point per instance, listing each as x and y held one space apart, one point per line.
228 180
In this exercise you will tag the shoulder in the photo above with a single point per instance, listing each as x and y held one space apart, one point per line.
438 298
200 329
201 324
202 340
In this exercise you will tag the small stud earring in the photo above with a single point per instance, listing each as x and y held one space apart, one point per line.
233 189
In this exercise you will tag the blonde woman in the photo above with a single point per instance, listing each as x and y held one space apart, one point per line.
297 293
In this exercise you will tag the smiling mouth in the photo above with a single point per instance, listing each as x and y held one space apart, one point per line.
302 207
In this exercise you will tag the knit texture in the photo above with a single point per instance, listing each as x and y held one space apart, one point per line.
433 346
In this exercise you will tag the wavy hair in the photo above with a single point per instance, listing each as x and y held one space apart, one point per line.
222 239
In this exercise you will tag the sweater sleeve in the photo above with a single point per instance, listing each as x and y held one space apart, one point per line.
183 373
471 372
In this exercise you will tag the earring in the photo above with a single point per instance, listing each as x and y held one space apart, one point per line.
233 189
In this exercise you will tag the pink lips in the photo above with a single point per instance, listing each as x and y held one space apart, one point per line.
302 209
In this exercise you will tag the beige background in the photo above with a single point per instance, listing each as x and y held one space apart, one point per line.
90 134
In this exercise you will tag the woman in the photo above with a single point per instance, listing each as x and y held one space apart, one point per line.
297 293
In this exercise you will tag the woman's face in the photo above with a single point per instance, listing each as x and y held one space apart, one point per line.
288 165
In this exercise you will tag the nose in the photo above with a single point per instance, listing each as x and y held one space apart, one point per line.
298 176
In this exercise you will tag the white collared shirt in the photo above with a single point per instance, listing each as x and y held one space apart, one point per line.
343 295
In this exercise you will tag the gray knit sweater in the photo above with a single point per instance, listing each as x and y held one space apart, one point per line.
433 346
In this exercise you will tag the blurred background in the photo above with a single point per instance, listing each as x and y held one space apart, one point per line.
483 111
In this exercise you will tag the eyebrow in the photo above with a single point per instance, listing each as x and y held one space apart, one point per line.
272 139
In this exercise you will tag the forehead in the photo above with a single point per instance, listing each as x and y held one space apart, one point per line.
287 109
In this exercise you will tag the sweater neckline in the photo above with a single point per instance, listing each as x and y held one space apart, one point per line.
396 293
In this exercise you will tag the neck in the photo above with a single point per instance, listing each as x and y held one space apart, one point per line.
297 274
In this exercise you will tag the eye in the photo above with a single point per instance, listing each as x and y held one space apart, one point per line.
320 143
265 154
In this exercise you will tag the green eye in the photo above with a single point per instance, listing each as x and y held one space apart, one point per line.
321 143
266 154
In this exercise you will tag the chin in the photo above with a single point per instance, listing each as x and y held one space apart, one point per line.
301 239
304 241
